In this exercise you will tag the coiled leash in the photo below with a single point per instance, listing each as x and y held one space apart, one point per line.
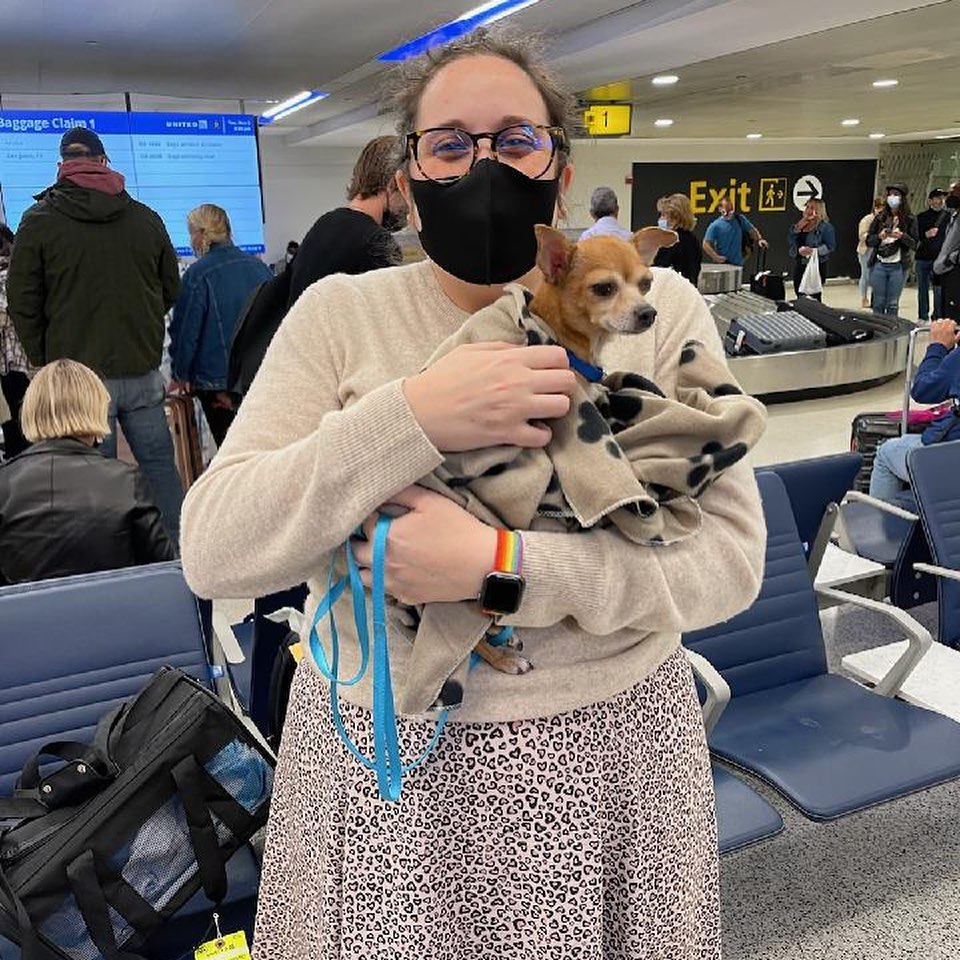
386 761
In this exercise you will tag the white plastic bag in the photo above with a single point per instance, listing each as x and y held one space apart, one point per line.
810 282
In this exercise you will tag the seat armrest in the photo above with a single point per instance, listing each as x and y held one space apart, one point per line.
855 496
946 572
918 636
225 638
718 690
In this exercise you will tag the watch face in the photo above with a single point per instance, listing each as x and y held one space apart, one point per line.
501 593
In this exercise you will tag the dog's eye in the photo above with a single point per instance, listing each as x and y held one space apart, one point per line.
644 285
604 289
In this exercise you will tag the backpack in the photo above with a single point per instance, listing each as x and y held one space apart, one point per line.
259 320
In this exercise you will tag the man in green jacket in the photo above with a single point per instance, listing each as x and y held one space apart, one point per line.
91 277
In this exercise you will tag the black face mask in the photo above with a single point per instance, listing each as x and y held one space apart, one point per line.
480 228
953 202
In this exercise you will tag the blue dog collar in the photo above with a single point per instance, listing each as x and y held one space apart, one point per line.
586 370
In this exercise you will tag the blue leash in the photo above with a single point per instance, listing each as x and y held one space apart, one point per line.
386 761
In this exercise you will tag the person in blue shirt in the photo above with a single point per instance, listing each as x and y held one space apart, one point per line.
813 231
723 241
604 208
937 379
214 291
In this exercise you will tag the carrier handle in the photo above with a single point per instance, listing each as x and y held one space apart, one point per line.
92 902
68 751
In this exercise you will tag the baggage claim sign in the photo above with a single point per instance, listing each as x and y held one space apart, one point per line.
771 195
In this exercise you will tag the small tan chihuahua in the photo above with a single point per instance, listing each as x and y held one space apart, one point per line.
596 287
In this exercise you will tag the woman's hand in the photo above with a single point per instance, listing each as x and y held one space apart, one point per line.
486 394
805 251
436 551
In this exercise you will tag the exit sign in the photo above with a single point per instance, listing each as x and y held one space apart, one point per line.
607 120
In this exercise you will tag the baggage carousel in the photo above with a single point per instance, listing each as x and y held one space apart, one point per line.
822 372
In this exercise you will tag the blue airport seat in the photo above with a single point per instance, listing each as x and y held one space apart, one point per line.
73 648
743 816
814 486
933 476
895 542
829 745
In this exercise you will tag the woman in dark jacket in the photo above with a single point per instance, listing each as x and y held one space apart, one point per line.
813 231
892 237
64 508
686 254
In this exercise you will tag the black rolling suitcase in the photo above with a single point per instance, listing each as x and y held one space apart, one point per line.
762 333
840 326
764 282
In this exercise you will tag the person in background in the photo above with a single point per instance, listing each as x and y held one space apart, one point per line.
92 276
891 237
64 508
597 758
605 208
213 292
937 379
864 253
293 248
813 231
931 224
946 267
685 255
724 239
358 237
15 369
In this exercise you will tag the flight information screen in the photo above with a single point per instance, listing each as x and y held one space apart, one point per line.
171 161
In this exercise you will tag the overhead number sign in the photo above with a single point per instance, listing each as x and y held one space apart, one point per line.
608 119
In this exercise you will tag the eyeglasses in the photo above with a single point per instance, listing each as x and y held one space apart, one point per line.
446 154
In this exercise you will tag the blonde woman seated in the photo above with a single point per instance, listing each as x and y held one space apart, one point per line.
64 508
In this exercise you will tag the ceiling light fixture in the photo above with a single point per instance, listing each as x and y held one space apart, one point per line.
663 122
291 105
877 136
850 122
885 83
754 136
666 80
476 17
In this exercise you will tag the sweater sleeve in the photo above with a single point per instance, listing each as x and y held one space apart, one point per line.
297 472
936 375
605 582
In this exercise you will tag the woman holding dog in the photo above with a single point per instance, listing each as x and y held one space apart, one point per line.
567 812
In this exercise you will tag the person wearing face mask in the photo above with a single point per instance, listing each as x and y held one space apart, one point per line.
358 237
864 253
930 226
685 256
723 242
892 237
565 811
213 292
946 267
813 231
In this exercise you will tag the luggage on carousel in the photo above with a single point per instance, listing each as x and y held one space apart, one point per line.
764 333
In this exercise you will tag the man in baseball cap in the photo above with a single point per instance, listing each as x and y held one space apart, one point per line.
931 225
81 142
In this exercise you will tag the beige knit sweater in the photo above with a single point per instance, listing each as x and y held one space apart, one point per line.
325 436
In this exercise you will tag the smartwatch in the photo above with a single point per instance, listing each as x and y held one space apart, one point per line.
502 588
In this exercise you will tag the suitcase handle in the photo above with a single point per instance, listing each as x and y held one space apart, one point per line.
908 376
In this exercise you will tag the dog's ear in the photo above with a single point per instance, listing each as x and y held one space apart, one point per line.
554 253
650 239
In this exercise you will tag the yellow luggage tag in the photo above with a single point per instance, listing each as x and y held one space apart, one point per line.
231 947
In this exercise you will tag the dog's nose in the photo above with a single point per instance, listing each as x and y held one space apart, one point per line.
644 316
